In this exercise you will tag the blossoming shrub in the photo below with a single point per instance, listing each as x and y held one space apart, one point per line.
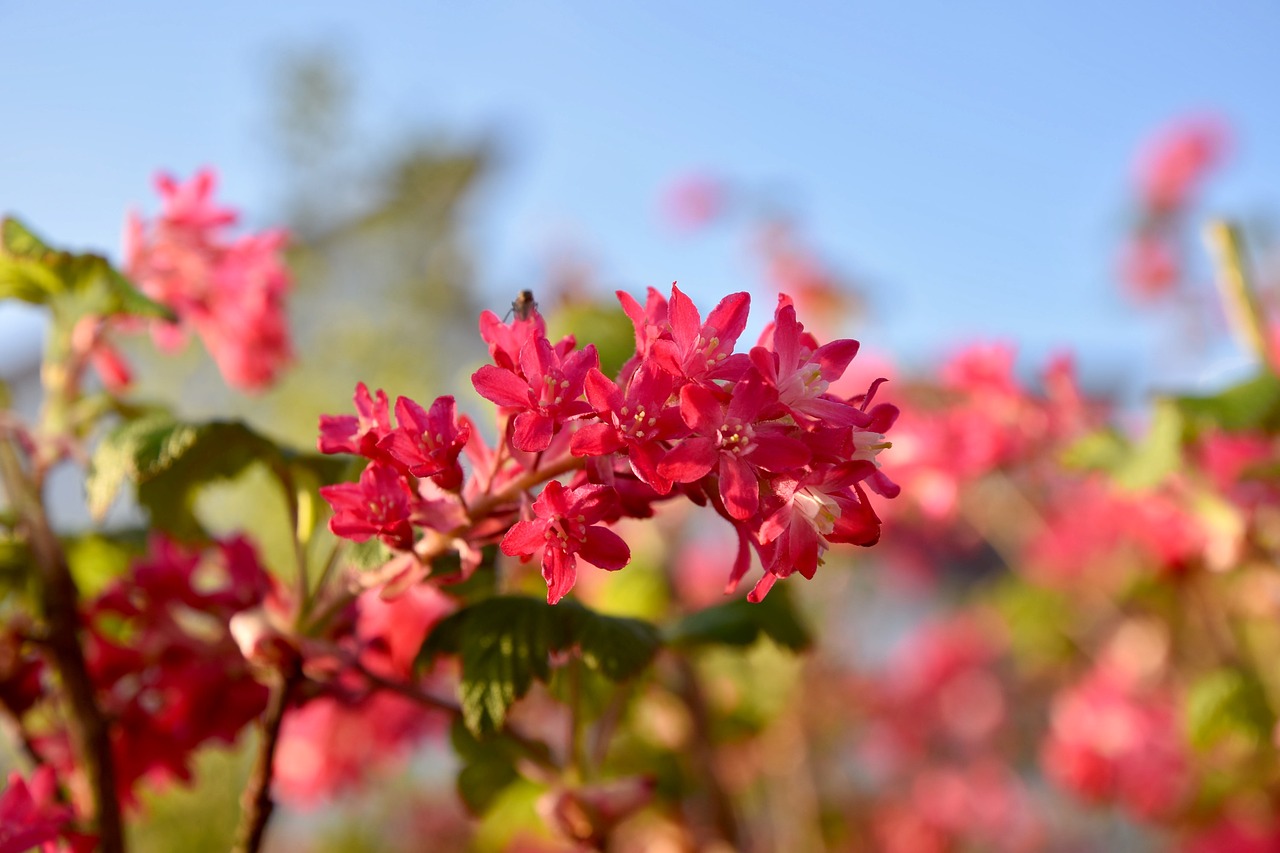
1062 639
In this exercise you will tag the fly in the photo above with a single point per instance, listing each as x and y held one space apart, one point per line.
523 306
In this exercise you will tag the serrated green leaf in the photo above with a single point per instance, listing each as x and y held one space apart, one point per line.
28 280
741 623
130 453
168 461
80 283
617 647
19 241
488 767
1253 404
1227 703
506 642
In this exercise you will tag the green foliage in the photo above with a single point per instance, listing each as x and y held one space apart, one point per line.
1141 465
506 642
96 560
15 563
1227 704
741 623
168 461
1253 404
34 272
1037 619
488 766
602 324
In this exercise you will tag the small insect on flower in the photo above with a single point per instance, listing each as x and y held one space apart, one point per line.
523 306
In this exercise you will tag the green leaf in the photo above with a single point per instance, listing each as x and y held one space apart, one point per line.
1104 450
78 284
96 560
18 241
615 646
506 642
741 623
1038 620
1253 404
488 767
604 324
1158 455
1227 703
169 460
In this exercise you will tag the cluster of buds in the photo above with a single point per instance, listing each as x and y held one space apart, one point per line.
755 434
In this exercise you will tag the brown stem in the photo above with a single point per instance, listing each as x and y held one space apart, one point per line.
563 465
257 805
703 752
60 602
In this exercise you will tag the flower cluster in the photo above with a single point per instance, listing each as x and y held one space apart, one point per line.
230 292
1115 738
755 434
31 816
163 659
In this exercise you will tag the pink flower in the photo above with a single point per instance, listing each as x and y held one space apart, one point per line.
89 341
545 393
698 351
1113 738
359 433
729 440
230 292
1150 266
169 684
1177 158
332 743
693 201
564 528
379 505
818 509
427 443
31 816
801 371
639 422
505 340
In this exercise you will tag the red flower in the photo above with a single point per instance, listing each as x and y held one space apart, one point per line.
698 351
379 505
30 815
231 293
359 433
729 439
1176 159
801 371
564 528
817 509
638 422
427 443
545 393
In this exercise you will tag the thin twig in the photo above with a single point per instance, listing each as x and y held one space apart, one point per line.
60 601
257 805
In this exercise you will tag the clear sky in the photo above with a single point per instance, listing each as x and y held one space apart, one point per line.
968 160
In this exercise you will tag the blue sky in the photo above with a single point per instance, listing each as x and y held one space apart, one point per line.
969 161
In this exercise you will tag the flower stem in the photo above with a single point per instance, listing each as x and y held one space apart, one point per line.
1235 285
257 804
60 603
